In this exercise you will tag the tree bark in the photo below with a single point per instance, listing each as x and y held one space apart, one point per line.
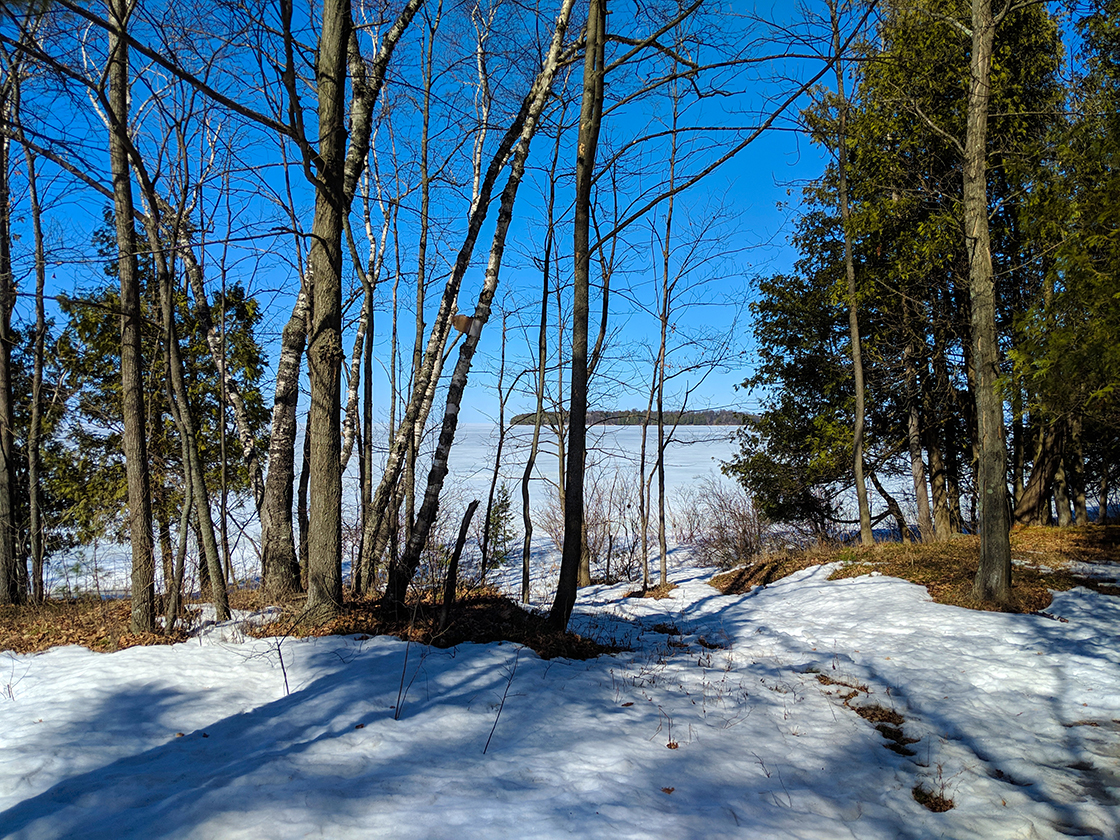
452 580
894 508
132 377
1061 495
400 574
1034 501
866 536
993 575
13 569
1075 461
939 487
279 564
917 465
34 432
184 420
591 115
324 352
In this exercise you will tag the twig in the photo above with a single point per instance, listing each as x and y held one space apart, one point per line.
404 668
502 705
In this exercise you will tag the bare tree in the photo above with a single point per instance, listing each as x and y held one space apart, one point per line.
590 122
525 125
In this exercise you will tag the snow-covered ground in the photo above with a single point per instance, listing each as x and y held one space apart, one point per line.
731 724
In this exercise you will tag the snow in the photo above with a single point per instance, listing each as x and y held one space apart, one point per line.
1017 720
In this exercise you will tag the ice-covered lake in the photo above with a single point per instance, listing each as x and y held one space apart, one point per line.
692 456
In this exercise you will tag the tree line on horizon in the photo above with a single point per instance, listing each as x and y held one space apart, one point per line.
637 417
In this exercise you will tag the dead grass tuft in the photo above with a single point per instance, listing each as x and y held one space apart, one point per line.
879 714
767 569
933 801
824 679
656 592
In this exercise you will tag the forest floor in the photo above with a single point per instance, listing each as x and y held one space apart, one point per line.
1046 560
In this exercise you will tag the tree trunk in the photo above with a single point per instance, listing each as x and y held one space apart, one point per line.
1018 448
866 537
1102 496
13 569
34 432
175 582
503 396
184 420
383 508
894 508
591 116
1061 496
918 469
132 376
1075 463
1034 502
324 352
644 486
452 580
302 518
542 370
279 563
400 574
993 575
939 486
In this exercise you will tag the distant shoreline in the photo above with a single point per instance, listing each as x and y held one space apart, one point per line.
635 417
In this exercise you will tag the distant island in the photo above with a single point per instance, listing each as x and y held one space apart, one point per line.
635 417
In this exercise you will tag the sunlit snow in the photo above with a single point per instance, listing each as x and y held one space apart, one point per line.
725 718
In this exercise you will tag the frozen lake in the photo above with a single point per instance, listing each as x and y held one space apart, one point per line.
693 454
692 457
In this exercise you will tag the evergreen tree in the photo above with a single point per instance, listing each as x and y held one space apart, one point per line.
89 353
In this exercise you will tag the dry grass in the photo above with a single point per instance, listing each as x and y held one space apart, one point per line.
768 569
935 802
658 592
482 617
101 626
1042 555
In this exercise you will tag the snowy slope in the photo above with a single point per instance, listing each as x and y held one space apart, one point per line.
724 728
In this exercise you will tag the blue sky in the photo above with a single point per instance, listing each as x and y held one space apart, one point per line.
751 241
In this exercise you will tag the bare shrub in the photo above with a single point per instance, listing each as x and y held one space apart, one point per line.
719 520
611 523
